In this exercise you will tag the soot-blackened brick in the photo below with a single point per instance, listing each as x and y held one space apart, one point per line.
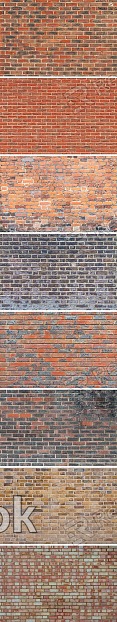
61 38
58 427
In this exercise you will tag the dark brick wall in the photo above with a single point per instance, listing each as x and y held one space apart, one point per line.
58 271
58 584
45 115
75 505
64 37
58 427
58 349
59 193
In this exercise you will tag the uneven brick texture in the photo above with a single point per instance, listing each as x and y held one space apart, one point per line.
59 37
58 350
58 584
59 193
58 271
58 115
58 427
72 506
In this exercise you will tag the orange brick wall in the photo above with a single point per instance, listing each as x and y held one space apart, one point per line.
60 193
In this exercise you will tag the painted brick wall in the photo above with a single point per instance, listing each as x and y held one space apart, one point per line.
59 37
58 350
72 506
58 271
58 584
58 427
59 193
58 115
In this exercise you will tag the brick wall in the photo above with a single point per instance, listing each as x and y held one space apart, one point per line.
58 37
58 350
58 271
72 506
58 584
58 115
62 193
58 427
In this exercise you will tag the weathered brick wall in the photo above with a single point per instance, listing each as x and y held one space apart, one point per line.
58 271
58 427
59 193
58 349
58 37
72 506
58 584
45 115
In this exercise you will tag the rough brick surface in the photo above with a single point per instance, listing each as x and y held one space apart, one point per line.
58 427
58 584
59 193
58 271
59 37
58 350
72 506
58 115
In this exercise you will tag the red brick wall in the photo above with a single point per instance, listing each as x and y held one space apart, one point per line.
58 193
58 115
58 350
64 37
58 584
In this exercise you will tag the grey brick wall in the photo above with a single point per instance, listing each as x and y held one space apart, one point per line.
58 271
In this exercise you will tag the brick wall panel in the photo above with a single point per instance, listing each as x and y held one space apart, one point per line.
58 584
59 38
58 350
59 193
58 427
71 505
58 115
58 271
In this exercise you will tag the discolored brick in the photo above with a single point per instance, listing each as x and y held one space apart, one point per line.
71 506
61 38
58 427
59 193
58 349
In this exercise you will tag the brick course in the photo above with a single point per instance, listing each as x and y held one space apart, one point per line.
58 115
58 584
58 350
58 427
59 37
59 193
58 271
72 506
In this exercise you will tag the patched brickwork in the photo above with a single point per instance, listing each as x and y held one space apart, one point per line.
58 584
58 427
59 37
58 271
58 350
59 193
71 506
58 115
